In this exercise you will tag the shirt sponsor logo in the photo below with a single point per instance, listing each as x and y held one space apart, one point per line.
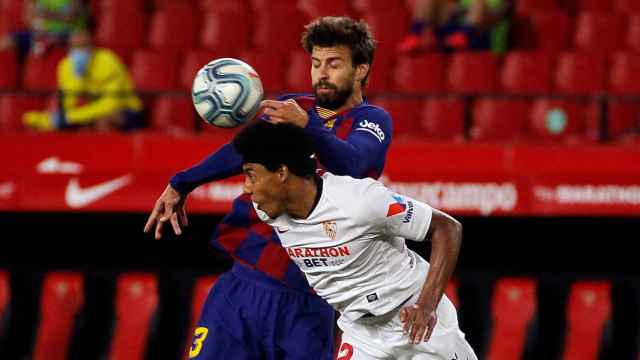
372 128
315 257
409 214
398 207
314 252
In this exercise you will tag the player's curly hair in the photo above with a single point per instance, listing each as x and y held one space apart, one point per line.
273 145
329 31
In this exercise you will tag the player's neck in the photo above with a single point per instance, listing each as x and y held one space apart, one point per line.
302 197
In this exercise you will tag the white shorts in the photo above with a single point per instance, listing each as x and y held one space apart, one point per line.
382 338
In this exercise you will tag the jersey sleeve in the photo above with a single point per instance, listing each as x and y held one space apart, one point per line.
224 163
394 214
363 150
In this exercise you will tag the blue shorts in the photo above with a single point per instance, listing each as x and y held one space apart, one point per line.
246 317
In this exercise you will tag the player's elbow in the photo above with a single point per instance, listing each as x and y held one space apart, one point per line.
447 228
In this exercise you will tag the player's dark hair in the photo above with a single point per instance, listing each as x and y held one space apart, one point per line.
330 31
273 145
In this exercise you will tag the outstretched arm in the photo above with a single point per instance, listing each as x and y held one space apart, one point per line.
445 234
169 207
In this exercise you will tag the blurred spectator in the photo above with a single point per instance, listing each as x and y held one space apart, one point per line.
95 91
458 25
50 23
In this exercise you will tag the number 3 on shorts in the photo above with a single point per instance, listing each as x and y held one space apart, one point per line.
199 336
346 352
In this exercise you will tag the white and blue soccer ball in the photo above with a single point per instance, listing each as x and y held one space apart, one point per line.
227 92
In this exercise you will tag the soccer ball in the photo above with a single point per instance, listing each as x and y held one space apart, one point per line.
227 92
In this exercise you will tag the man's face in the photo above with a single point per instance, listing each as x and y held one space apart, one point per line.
332 75
266 189
80 40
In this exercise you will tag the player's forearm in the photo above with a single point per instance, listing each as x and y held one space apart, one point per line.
446 238
224 163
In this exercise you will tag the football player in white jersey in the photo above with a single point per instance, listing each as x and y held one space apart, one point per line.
348 236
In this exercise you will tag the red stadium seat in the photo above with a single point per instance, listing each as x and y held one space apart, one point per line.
380 76
499 119
588 311
633 33
557 120
10 70
403 114
388 26
215 34
473 72
626 6
527 72
513 307
12 107
443 119
601 33
193 61
298 75
544 31
12 14
173 114
40 72
174 28
270 65
136 305
623 119
316 8
526 7
602 6
122 6
5 296
217 5
121 30
624 78
61 300
279 27
154 71
419 74
200 292
579 74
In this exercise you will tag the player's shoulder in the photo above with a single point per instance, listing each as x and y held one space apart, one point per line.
306 100
371 111
363 200
350 190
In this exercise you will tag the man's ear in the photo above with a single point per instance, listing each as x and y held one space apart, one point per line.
283 173
361 71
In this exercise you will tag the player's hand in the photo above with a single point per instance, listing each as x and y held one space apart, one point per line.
169 207
418 323
287 111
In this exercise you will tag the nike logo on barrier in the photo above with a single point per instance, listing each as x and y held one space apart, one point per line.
77 197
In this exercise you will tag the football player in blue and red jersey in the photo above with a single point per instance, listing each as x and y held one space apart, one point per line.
263 308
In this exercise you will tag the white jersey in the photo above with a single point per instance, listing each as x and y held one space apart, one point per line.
352 245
